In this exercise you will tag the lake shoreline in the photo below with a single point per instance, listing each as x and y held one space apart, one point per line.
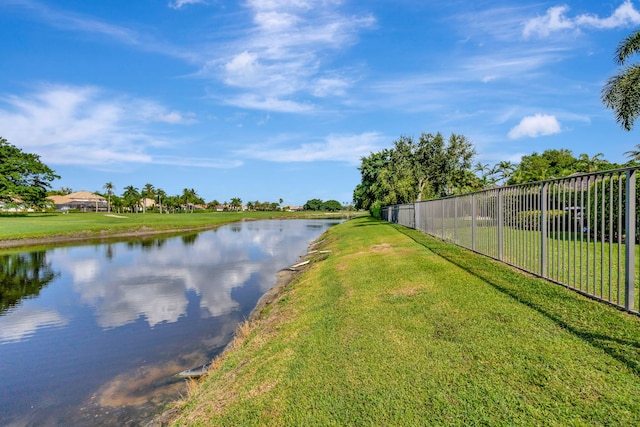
104 236
283 278
280 279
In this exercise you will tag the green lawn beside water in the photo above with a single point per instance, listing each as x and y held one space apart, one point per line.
393 327
91 224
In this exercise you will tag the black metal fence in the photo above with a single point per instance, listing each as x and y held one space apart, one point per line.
579 231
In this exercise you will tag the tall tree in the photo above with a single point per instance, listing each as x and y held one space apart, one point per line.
621 92
131 198
590 164
189 198
109 187
554 163
162 195
313 205
370 187
236 203
331 206
504 170
24 179
487 174
148 192
431 167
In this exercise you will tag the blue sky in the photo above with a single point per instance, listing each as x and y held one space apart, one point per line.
269 99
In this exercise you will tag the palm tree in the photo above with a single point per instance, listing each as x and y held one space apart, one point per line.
190 198
236 203
486 174
621 93
131 197
504 170
109 187
161 195
590 164
148 192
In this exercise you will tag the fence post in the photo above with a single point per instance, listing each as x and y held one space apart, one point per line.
455 220
543 229
500 225
473 222
443 228
630 240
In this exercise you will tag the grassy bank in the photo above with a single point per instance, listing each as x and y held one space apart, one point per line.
88 225
396 328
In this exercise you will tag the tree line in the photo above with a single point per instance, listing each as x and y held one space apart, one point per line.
25 182
432 167
24 179
133 199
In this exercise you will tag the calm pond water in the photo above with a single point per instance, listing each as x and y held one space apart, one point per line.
94 335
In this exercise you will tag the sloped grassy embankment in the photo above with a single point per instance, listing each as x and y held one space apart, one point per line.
396 328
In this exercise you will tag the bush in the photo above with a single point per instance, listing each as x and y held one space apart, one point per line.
611 212
376 209
530 220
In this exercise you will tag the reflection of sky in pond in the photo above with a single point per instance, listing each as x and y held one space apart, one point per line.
24 321
113 308
154 283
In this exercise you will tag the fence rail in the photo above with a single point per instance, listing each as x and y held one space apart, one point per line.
578 231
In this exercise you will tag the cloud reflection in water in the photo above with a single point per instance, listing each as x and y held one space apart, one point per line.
153 283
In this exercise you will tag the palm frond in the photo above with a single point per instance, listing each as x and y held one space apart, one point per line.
627 47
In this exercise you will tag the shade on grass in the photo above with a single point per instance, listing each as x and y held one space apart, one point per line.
396 328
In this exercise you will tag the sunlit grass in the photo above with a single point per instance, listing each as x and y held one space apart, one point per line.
398 328
99 224
574 259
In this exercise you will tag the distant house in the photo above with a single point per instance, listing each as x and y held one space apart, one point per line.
81 200
148 203
15 205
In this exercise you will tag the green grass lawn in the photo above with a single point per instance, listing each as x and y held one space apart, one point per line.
573 258
397 328
99 224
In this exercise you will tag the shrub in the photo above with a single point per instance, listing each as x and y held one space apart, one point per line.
376 209
604 205
530 220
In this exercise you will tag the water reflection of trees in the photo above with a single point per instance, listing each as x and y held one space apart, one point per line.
190 239
23 275
147 244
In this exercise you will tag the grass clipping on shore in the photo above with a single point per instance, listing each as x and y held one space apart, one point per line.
396 328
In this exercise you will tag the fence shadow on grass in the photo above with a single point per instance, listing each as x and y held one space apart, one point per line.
615 332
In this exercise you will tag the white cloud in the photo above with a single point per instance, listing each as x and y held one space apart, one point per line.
535 126
178 4
273 104
324 87
86 126
25 321
76 22
275 21
132 287
337 148
625 15
282 54
556 19
203 162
